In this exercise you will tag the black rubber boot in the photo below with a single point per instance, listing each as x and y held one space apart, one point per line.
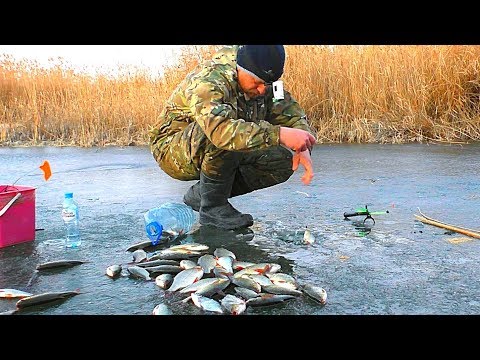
192 196
215 210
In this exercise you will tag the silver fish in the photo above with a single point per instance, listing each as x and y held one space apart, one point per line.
170 269
226 263
246 293
114 271
220 252
13 293
187 264
185 278
207 262
139 256
245 237
190 247
213 288
277 278
138 272
281 290
262 280
274 268
315 292
246 282
198 285
266 299
162 309
140 245
8 312
233 304
240 265
174 255
255 269
163 281
287 285
151 263
206 303
44 298
220 272
308 238
59 263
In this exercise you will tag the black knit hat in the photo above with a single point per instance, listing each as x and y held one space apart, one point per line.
265 61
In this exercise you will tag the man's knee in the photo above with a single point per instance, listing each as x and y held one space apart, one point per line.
218 163
264 169
175 160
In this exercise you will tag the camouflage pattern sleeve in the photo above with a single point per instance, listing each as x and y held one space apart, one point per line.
288 112
209 103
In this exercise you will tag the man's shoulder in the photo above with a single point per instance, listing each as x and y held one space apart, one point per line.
216 73
226 55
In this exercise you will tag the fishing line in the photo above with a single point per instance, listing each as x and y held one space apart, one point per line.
47 173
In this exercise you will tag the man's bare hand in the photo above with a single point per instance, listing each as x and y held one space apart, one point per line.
296 139
305 159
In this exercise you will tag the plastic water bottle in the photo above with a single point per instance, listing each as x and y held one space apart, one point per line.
171 218
71 220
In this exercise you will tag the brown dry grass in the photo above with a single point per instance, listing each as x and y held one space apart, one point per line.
383 94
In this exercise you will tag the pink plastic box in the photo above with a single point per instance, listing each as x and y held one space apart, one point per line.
17 214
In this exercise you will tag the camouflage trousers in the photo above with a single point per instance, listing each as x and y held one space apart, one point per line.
253 170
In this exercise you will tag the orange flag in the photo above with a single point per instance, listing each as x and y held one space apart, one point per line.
47 172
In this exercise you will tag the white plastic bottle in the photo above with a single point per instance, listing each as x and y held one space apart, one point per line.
71 221
172 218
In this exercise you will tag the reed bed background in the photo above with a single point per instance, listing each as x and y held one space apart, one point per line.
363 94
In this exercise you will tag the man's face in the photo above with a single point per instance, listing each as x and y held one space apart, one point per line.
251 85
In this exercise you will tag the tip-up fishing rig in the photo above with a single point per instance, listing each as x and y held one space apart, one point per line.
364 212
46 170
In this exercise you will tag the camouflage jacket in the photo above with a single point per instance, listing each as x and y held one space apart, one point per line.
211 96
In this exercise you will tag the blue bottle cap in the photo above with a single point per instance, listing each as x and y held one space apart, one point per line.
68 195
154 232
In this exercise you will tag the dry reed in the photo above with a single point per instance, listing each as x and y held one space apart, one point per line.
363 94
